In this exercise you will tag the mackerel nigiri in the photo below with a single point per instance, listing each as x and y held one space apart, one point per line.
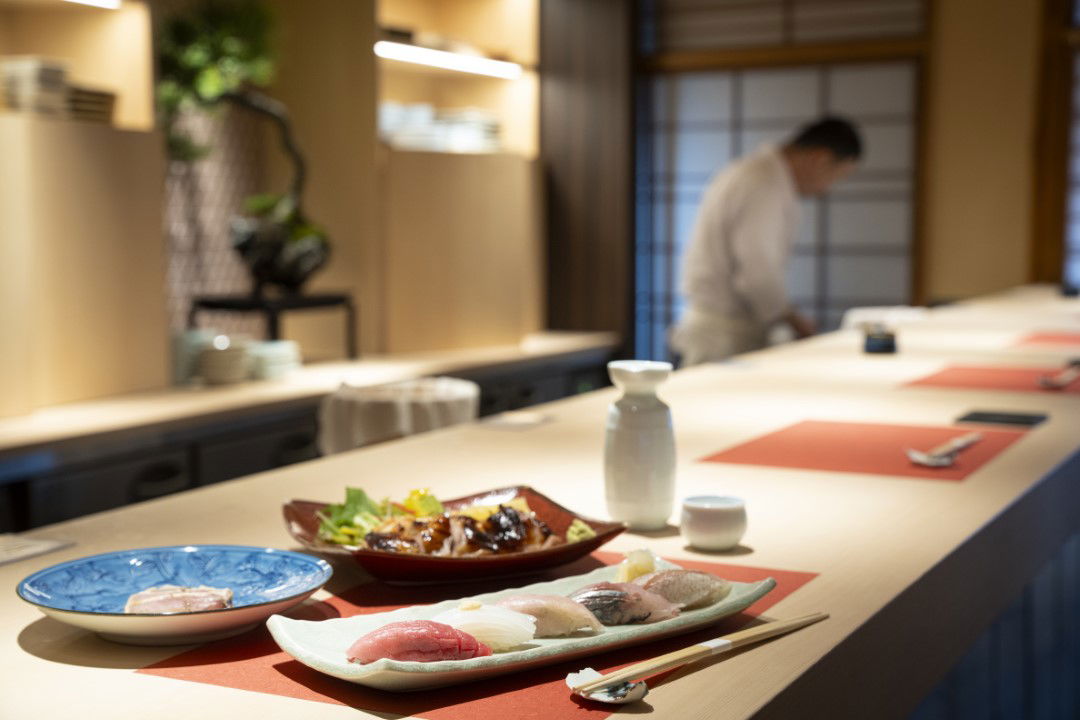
555 615
624 603
686 588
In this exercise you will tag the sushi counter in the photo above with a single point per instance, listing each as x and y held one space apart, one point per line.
911 563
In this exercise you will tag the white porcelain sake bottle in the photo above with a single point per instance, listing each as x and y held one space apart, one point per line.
639 452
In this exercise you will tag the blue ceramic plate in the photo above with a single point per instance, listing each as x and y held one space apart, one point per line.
91 592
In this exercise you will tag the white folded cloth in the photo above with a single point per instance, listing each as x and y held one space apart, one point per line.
352 417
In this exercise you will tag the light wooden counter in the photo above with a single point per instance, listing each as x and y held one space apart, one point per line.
174 406
911 571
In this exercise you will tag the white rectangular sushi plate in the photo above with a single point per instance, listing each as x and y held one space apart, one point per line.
322 644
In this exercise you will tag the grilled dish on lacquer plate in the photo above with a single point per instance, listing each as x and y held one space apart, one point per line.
422 538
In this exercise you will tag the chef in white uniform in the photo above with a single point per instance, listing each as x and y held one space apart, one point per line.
733 272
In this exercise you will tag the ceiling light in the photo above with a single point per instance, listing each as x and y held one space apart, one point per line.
447 60
107 4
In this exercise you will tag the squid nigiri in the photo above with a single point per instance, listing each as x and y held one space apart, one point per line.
556 616
686 588
624 603
497 627
416 640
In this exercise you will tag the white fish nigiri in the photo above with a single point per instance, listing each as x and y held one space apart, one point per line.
167 599
497 627
686 588
556 616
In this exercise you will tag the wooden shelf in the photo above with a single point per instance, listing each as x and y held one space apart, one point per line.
502 30
106 49
400 66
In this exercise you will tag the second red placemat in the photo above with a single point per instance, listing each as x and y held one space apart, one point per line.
871 448
253 662
1011 379
1049 338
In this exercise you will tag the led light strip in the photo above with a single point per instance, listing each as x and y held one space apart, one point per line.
447 60
107 4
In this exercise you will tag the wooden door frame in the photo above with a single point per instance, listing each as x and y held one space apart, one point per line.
1059 42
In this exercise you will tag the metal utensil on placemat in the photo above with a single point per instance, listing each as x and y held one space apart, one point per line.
618 687
944 454
1060 380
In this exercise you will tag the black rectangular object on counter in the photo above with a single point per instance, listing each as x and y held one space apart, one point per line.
997 417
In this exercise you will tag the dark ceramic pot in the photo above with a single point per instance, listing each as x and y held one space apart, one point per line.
275 255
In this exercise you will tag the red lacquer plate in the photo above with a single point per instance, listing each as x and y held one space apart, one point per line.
302 524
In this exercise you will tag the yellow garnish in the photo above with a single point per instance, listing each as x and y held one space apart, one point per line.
480 513
636 564
422 503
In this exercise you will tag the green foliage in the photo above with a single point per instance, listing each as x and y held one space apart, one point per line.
220 47
357 516
262 204
282 210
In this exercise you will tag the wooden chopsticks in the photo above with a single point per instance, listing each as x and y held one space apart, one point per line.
700 651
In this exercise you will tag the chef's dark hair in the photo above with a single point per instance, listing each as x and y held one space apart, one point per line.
838 136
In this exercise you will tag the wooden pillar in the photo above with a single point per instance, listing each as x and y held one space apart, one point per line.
586 149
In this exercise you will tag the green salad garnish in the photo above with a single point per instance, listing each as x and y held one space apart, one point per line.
348 522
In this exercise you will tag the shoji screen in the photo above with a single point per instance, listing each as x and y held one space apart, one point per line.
854 245
1071 271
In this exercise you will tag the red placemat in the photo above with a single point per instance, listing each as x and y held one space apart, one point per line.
1011 379
254 662
1049 338
864 448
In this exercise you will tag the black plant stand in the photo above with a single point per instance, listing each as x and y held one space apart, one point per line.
273 307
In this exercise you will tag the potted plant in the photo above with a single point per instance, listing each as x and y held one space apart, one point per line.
220 54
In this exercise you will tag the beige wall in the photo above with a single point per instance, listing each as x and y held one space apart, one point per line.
82 262
981 120
16 266
107 49
464 255
5 31
504 28
327 79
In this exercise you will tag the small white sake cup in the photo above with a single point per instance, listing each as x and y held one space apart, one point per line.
713 522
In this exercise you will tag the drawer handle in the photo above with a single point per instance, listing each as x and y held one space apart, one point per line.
294 449
156 480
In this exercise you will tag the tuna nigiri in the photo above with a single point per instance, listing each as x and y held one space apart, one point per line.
624 603
686 588
418 641
555 615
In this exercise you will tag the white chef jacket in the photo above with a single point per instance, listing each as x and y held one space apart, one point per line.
733 273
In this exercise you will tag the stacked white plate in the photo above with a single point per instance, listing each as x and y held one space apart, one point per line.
225 361
90 105
273 359
35 84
